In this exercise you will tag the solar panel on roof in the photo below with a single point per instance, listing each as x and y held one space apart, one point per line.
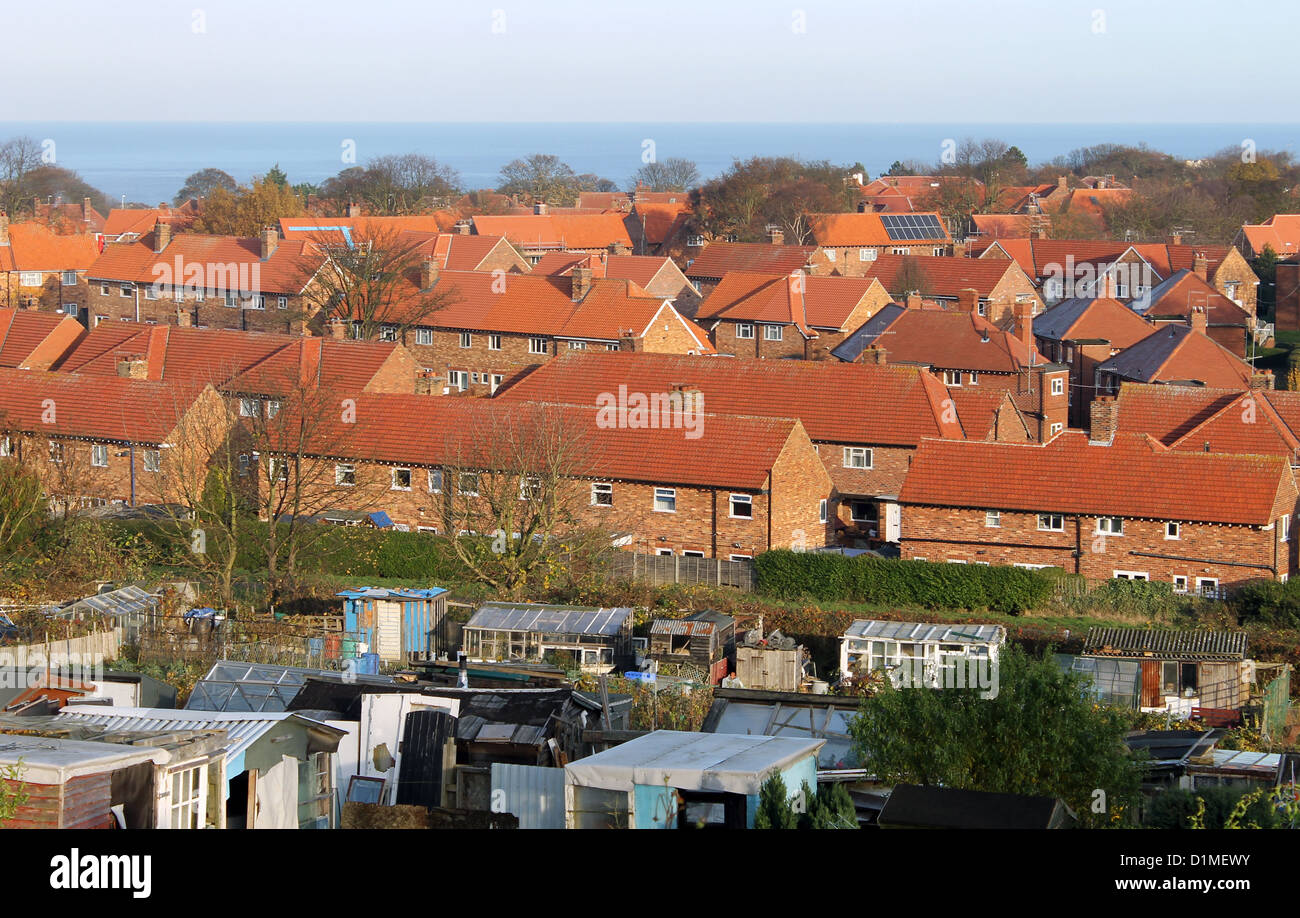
912 227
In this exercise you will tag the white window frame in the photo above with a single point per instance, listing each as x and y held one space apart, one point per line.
399 487
665 496
345 474
538 346
153 460
852 453
1180 583
599 489
1058 386
1202 581
69 283
31 279
189 797
745 500
1131 575
281 302
458 379
250 408
952 378
1175 528
434 481
773 333
1284 528
99 455
1110 525
867 254
494 342
424 336
466 341
104 289
745 331
822 510
1055 429
992 519
1051 518
461 481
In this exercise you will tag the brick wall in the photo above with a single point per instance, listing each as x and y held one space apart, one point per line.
210 312
50 296
1201 551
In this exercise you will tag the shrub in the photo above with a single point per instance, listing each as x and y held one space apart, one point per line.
830 577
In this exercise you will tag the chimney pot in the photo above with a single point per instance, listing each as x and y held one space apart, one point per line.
270 239
539 208
776 236
162 235
1105 418
428 273
1199 320
1201 266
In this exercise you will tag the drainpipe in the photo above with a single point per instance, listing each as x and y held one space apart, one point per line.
131 459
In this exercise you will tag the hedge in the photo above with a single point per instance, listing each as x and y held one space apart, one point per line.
830 577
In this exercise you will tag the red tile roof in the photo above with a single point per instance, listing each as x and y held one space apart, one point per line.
1229 420
952 340
140 221
720 258
659 222
1100 319
99 408
837 402
736 452
864 229
945 276
35 339
35 247
1176 353
798 299
1184 290
222 261
1281 232
1132 477
565 231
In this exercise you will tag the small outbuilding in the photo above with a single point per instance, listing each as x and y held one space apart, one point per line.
596 640
398 624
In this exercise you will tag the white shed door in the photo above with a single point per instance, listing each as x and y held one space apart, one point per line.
388 632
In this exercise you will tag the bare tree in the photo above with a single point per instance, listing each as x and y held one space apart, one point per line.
19 157
673 174
370 279
540 177
516 494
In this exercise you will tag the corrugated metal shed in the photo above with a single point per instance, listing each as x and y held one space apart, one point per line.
679 627
922 632
533 793
254 687
549 619
1165 645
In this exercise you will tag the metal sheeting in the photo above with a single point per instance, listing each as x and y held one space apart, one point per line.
921 632
690 761
549 619
254 687
532 793
804 721
395 593
125 601
1166 645
673 626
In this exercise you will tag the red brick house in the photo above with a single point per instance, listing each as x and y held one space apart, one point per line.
796 315
849 243
713 486
967 351
1179 354
999 286
204 281
864 420
719 259
495 327
655 275
42 269
1125 508
538 234
1174 300
1280 232
1082 333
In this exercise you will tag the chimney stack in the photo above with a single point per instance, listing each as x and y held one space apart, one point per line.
581 278
1261 379
183 317
628 341
913 300
4 228
1175 238
875 354
354 209
1105 418
1199 320
162 235
85 210
539 208
617 248
133 366
338 329
959 250
968 300
1062 182
776 236
463 227
1023 313
428 273
270 239
1201 266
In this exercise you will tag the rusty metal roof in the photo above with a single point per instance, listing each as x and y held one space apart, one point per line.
679 627
1165 645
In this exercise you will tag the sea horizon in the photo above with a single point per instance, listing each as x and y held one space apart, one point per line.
148 161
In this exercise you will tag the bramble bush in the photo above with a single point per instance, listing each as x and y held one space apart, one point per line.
829 577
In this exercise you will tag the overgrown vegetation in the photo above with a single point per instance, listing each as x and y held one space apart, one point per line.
1223 807
13 792
828 807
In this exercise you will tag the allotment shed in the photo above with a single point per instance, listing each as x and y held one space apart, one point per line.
597 640
398 624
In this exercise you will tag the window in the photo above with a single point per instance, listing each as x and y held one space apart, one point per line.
257 301
1055 429
577 345
1054 289
388 333
277 469
281 302
744 330
1051 522
103 289
830 255
530 488
602 494
435 481
6 446
1110 525
952 377
937 250
30 279
664 552
1058 386
458 379
1207 586
189 798
900 250
692 554
69 278
1121 290
99 455
248 408
56 451
857 457
272 407
126 290
497 380
993 519
401 480
70 309
821 511
973 379
772 332
1132 575
151 292
424 336
537 346
467 484
345 474
1284 528
863 511
1180 583
742 507
466 340
665 500
740 557
232 299
867 254
1173 530
694 241
152 460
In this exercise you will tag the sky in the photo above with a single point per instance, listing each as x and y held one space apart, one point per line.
664 60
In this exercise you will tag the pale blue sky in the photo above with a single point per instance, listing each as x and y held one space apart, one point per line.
670 60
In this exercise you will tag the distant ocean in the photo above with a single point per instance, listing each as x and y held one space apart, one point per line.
149 161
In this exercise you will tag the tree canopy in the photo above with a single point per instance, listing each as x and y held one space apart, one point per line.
202 183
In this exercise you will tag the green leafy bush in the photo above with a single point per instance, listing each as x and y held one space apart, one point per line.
829 577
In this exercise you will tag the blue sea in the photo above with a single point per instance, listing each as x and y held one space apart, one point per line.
147 162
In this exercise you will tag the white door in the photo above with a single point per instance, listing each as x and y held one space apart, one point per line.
388 631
